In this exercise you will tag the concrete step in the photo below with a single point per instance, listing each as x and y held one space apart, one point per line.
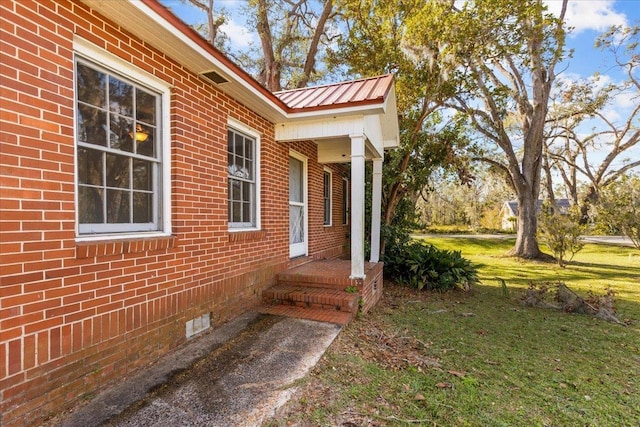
312 297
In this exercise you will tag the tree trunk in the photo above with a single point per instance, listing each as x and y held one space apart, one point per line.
527 242
270 75
589 200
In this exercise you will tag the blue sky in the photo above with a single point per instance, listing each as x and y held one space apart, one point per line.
589 19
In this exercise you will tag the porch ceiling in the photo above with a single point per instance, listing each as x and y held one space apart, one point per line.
338 150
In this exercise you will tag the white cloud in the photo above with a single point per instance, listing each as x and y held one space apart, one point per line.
584 15
238 35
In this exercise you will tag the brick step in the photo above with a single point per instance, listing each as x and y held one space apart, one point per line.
311 283
341 318
312 297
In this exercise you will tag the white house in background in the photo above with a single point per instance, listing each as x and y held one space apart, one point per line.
509 212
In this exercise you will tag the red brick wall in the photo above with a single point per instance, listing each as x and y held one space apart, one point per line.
76 316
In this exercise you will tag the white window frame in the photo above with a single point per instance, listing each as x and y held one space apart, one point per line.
240 127
93 54
327 172
345 201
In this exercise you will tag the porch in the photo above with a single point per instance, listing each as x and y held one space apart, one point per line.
323 290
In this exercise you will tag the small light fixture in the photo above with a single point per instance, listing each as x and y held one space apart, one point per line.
141 135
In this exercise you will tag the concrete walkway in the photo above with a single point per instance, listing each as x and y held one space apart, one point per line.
235 375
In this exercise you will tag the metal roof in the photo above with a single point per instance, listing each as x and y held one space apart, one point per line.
357 92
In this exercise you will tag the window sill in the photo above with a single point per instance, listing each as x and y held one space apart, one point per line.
247 236
106 247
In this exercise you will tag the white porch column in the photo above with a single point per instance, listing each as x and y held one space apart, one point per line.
357 206
376 207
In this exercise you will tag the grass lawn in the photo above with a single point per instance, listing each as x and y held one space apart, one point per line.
480 358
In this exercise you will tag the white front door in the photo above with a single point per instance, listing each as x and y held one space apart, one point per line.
297 205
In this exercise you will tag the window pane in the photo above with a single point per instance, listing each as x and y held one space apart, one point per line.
237 212
296 224
142 207
92 125
142 177
248 148
120 133
144 140
90 167
118 207
246 213
117 171
248 169
145 107
247 191
234 190
91 86
295 180
120 97
90 205
238 146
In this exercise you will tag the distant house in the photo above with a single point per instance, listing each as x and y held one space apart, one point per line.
150 189
509 212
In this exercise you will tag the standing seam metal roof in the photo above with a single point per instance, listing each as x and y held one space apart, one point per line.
357 92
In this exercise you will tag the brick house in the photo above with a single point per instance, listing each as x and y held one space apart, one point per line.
149 188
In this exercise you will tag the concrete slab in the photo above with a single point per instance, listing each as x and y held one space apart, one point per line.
236 375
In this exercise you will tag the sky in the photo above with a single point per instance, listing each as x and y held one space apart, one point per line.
588 19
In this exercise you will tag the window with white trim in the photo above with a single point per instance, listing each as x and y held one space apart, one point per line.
345 201
119 151
243 194
326 196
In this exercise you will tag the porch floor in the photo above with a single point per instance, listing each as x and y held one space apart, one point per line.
322 290
331 273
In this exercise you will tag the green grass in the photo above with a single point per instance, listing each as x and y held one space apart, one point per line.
481 359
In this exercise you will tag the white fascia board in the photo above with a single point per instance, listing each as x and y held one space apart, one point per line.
319 128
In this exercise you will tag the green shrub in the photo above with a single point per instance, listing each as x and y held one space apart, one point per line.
561 232
423 266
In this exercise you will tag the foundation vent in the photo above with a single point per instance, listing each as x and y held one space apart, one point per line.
197 325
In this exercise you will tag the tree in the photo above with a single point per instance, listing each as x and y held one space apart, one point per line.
429 139
571 149
619 207
561 232
293 36
215 19
501 55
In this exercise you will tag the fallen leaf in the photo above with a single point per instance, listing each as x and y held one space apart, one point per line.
443 385
419 397
406 387
457 374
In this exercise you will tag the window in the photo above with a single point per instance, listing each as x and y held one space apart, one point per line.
243 177
119 150
345 201
327 197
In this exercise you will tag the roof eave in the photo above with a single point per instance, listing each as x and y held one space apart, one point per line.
156 25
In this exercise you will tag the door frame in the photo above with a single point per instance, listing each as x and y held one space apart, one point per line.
301 249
